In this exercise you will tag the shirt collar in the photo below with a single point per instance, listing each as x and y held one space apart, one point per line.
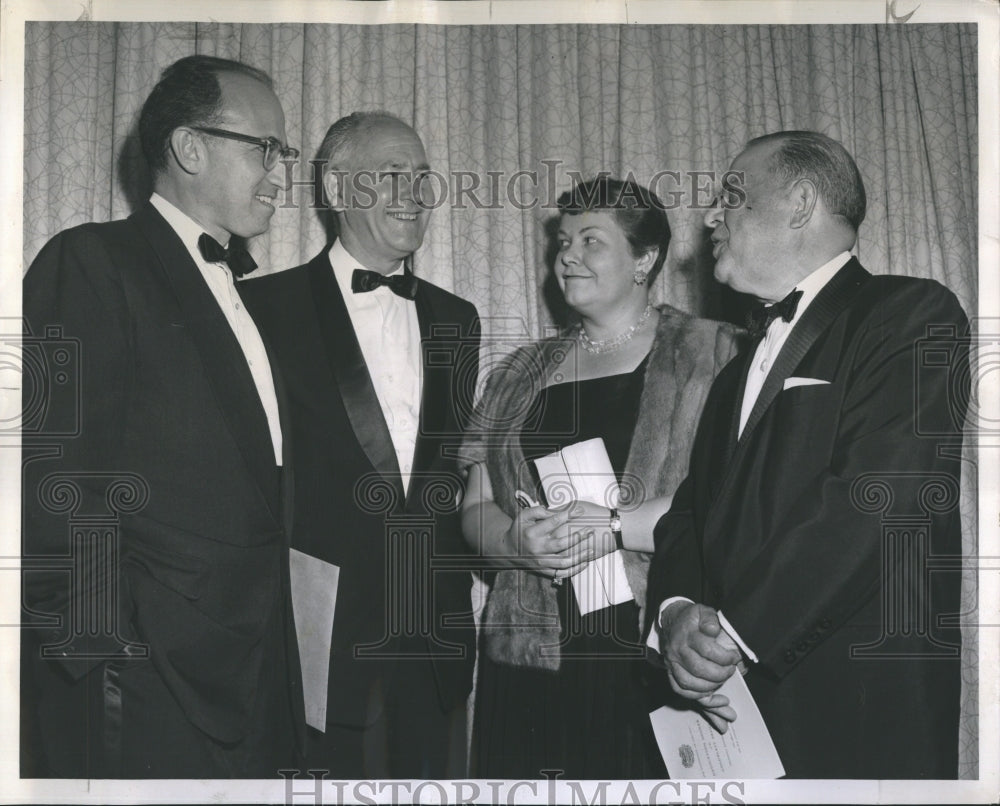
344 264
186 227
815 282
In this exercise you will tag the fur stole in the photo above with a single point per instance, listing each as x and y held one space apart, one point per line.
521 619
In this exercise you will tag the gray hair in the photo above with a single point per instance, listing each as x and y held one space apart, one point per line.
344 136
824 162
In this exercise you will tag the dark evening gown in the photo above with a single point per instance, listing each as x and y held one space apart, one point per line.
589 719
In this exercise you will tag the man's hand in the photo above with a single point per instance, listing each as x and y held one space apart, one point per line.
698 653
717 710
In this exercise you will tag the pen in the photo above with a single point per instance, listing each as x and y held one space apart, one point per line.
525 500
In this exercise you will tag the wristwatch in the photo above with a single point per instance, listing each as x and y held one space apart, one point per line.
615 525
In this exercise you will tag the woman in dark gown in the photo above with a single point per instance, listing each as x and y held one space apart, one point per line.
558 690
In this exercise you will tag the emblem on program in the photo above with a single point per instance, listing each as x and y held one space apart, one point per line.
687 756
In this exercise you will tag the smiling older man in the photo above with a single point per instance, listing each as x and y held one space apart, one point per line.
381 366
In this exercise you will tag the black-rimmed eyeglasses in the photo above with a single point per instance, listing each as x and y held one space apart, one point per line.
273 148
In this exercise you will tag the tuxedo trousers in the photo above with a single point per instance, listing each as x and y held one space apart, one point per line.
412 736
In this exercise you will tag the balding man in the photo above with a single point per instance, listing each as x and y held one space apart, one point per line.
805 440
381 366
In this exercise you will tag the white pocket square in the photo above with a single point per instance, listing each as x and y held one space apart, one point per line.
791 383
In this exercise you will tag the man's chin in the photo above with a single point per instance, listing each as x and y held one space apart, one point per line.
407 248
255 226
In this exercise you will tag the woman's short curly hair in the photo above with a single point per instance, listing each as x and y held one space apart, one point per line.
637 210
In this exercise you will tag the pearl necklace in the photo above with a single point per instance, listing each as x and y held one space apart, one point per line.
615 342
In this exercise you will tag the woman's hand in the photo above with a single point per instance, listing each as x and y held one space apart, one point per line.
538 541
558 544
592 526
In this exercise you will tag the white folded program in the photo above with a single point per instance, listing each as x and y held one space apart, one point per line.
583 472
314 585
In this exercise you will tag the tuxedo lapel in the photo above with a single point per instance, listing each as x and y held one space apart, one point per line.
833 298
287 458
435 389
734 421
350 372
225 364
429 390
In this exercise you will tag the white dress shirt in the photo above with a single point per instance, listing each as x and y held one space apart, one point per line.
388 331
220 283
777 333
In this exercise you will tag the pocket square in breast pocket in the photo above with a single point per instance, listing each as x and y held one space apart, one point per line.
791 383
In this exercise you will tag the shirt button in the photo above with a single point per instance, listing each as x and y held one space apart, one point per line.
763 365
237 306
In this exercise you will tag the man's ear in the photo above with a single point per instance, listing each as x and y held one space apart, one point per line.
333 187
804 196
188 150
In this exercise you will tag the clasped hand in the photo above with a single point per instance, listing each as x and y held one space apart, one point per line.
700 656
559 543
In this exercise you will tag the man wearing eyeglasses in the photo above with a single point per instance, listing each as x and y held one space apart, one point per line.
168 651
381 368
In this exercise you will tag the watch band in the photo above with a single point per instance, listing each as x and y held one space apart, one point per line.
616 528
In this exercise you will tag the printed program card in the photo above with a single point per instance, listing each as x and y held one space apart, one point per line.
692 748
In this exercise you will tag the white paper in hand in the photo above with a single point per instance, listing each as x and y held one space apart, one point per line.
583 472
692 748
314 599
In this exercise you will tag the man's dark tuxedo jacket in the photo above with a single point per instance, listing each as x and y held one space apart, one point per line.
813 531
350 507
167 404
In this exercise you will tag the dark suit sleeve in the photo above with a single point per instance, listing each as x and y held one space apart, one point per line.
71 295
823 560
675 569
467 381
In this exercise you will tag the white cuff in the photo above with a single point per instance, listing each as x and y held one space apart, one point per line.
653 639
731 631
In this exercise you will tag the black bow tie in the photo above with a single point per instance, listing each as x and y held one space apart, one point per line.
238 259
759 317
403 285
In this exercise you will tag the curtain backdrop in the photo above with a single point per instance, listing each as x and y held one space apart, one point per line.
548 99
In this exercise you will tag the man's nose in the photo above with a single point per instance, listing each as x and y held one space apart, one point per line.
402 188
280 176
714 215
